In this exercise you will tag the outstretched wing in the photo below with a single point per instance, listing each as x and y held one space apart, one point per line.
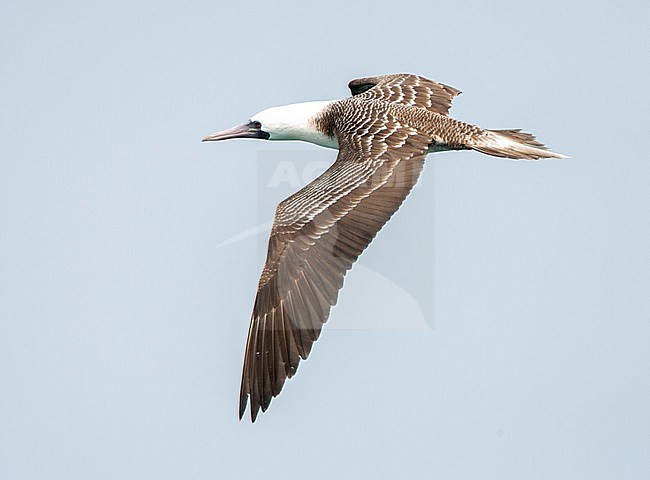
404 88
317 235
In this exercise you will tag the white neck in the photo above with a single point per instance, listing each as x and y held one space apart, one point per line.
295 122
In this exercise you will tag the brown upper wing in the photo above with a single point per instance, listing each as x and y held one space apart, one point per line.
404 88
317 235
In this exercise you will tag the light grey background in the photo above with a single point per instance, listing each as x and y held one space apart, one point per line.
123 322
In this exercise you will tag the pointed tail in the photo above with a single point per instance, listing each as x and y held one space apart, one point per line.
513 144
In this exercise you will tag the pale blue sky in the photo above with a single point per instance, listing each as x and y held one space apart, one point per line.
523 287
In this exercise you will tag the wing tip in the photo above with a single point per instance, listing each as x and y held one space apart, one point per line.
255 405
243 403
242 409
254 412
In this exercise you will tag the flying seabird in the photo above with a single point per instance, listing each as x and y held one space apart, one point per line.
383 132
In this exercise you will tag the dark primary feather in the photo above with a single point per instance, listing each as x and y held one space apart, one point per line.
317 235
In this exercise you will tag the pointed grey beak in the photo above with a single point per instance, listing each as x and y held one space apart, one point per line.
245 130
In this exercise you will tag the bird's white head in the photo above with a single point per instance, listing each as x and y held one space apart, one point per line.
288 122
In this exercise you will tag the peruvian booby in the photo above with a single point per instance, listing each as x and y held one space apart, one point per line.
383 133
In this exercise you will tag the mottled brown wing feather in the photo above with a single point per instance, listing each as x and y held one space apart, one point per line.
408 89
317 235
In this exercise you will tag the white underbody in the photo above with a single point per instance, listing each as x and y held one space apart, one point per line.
439 148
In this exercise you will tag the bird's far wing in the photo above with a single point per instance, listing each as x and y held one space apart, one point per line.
404 88
317 235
